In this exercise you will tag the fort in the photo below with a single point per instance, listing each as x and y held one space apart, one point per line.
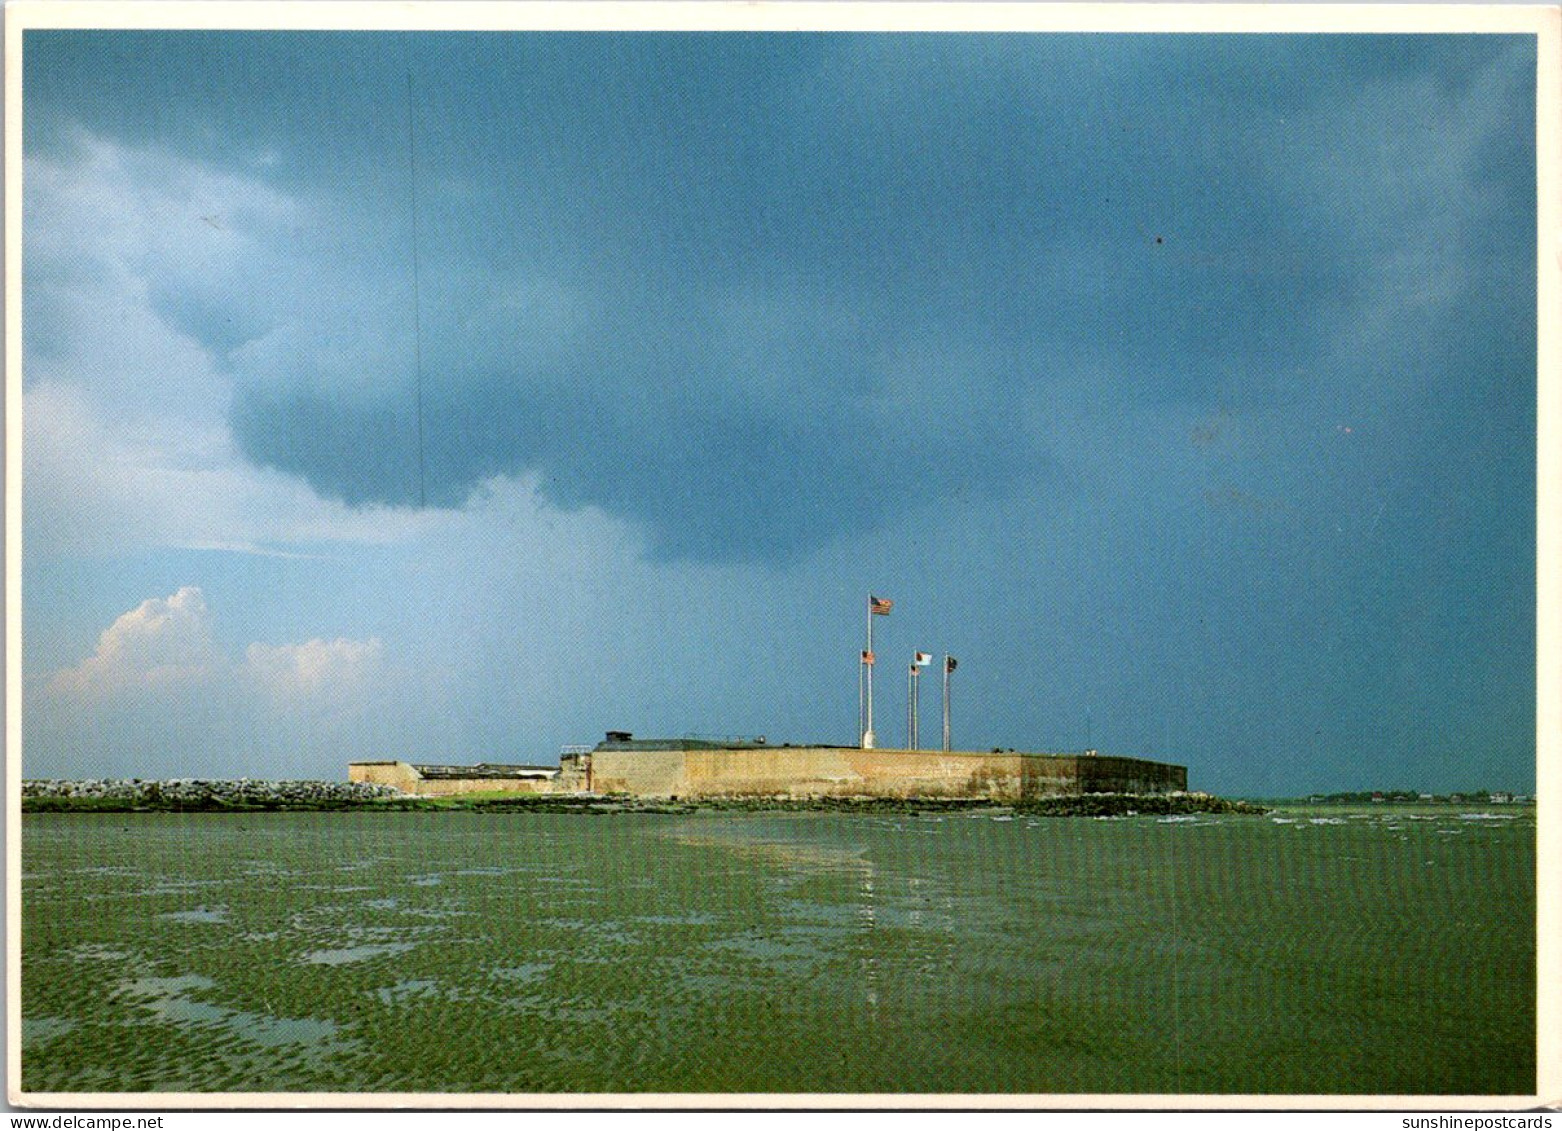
696 768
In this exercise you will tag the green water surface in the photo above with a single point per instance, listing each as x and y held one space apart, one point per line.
1383 951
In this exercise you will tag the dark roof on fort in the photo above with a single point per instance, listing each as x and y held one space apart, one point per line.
485 770
623 740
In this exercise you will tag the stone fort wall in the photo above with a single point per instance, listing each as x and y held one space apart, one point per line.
810 771
849 772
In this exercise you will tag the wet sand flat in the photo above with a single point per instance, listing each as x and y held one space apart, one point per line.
1338 951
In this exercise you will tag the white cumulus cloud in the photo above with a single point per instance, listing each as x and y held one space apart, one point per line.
316 668
167 643
161 696
162 642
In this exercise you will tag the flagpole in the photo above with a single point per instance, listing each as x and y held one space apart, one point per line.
916 714
867 733
946 702
911 683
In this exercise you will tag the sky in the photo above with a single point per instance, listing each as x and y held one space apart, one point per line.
454 397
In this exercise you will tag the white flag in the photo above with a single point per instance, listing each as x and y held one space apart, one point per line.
924 659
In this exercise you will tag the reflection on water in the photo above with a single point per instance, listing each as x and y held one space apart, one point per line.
868 920
770 851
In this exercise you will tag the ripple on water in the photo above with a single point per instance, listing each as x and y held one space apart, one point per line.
408 990
687 919
139 987
340 956
38 1030
104 870
166 886
198 915
363 862
391 903
524 972
167 1000
811 912
600 932
787 946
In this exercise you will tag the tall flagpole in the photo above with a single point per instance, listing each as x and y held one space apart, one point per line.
867 733
911 718
916 703
946 702
877 606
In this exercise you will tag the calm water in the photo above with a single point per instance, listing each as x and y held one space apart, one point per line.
1383 951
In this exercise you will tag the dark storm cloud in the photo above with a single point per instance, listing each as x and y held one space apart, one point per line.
676 425
752 292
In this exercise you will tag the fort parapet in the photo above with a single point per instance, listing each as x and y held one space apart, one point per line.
694 769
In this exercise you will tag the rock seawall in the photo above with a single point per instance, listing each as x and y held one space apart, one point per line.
199 793
194 794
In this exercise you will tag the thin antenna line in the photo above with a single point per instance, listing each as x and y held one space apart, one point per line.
417 309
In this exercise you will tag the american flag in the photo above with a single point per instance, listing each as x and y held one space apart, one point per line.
880 605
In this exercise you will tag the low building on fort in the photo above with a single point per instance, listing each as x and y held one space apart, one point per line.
694 768
446 781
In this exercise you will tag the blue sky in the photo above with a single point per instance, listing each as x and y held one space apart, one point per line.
1182 387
